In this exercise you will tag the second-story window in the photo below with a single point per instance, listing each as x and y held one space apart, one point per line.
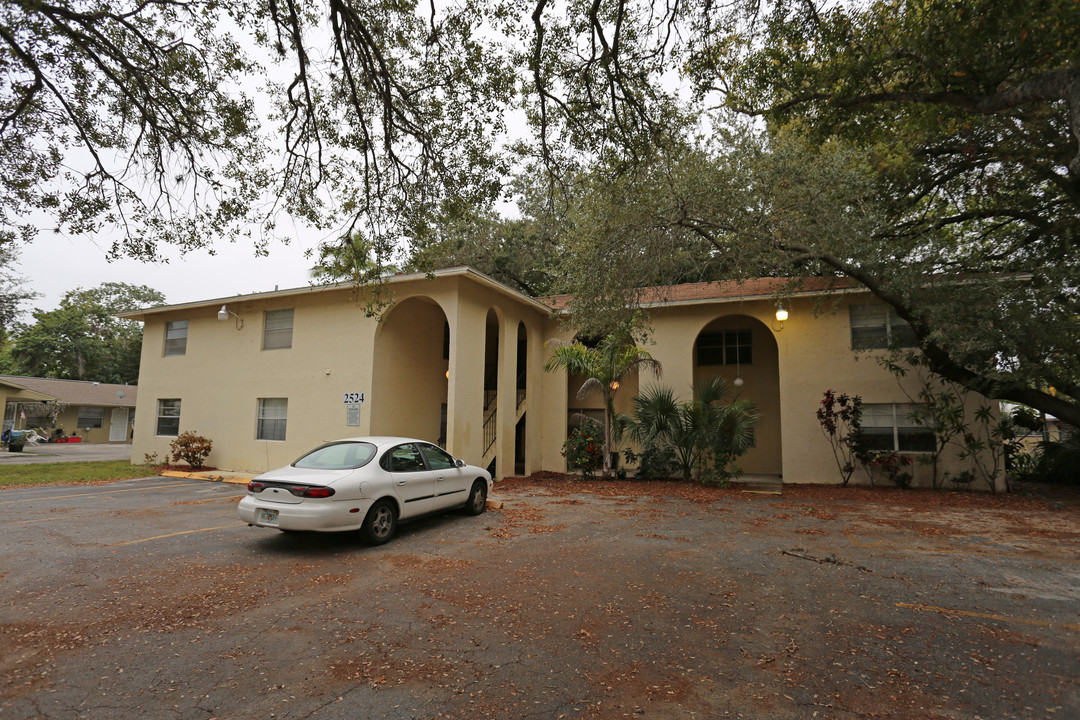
176 337
277 329
877 327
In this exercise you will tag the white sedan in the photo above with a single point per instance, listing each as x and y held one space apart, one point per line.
366 484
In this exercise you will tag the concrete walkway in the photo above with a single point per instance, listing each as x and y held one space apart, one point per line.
66 452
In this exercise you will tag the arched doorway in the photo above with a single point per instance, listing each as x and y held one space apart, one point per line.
409 374
743 351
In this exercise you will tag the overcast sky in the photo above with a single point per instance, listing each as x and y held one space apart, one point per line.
54 264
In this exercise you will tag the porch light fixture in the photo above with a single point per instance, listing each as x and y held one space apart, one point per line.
781 315
224 313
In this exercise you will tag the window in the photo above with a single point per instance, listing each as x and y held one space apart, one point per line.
176 337
888 427
437 459
576 416
277 329
725 347
91 417
877 327
272 417
33 419
338 456
403 458
168 417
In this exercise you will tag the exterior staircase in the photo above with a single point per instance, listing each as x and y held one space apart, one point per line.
491 424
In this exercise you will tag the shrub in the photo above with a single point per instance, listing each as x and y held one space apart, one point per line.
655 462
840 417
584 448
892 465
191 448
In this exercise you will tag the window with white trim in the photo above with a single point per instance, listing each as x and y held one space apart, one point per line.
91 417
888 427
176 337
277 329
878 327
273 414
168 417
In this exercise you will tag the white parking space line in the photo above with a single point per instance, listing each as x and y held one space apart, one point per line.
93 494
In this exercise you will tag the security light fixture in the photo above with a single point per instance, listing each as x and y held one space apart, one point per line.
224 313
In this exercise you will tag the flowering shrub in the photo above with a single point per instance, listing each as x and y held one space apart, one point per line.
892 465
584 448
191 448
840 417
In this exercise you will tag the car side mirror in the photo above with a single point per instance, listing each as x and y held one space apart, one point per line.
459 462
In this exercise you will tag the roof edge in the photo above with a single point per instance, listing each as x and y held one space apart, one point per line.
461 270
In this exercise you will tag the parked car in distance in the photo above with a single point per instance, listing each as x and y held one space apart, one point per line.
365 483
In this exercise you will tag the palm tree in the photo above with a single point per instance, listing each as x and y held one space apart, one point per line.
604 367
695 429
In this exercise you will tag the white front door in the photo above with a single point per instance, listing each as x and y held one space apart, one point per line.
118 425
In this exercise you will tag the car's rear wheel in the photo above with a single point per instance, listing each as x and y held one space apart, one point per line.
477 501
380 523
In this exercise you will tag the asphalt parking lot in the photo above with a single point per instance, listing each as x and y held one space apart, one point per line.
149 599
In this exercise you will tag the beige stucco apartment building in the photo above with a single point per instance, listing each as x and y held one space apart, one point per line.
458 359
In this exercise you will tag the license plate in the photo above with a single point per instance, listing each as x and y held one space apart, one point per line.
268 516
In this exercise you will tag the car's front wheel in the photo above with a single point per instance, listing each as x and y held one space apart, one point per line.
477 501
380 523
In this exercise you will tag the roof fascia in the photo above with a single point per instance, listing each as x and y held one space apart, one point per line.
462 271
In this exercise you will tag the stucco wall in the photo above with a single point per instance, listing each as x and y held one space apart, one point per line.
224 371
816 355
400 367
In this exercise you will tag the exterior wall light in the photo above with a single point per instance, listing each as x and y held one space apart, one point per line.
781 315
224 313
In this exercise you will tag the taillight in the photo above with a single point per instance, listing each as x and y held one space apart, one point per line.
256 487
311 492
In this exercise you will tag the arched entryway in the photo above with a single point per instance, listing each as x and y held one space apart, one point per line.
743 351
409 374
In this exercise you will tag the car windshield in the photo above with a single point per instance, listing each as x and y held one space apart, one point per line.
338 456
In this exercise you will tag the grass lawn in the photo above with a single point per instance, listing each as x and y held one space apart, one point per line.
72 473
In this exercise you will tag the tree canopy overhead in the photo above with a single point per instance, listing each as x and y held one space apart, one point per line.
889 142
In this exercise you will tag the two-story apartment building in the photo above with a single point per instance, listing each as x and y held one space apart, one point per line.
458 359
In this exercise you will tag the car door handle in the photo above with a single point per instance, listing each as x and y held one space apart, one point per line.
402 482
440 478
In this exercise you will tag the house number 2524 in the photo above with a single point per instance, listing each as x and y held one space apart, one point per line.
353 398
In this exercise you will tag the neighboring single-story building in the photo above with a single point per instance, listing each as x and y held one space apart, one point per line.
95 412
458 359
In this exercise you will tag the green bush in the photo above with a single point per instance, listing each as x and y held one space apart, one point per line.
191 448
655 462
1059 462
584 448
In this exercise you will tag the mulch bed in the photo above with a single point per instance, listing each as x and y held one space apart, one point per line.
1027 497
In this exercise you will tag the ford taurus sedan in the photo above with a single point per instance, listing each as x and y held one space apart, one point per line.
366 484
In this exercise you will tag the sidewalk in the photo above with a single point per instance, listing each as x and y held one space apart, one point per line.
225 476
66 452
